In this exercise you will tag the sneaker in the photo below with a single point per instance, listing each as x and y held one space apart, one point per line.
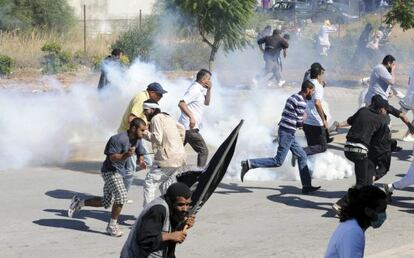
336 208
130 201
334 127
310 189
245 168
293 160
114 230
281 83
388 192
330 140
74 206
408 138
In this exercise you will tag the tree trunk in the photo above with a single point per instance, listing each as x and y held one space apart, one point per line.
213 53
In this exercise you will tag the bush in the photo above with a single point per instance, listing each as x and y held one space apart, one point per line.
136 42
6 65
56 60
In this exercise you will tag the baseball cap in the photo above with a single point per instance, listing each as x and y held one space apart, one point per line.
156 87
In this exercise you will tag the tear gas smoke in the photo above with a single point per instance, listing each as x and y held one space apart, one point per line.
41 128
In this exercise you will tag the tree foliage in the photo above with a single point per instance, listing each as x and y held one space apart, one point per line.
219 22
25 14
402 12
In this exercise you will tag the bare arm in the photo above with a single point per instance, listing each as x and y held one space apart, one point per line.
122 156
184 108
318 105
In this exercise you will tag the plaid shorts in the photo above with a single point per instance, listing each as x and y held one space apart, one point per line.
114 189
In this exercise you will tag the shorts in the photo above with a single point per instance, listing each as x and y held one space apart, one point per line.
114 190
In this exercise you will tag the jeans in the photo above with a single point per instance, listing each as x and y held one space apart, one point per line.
273 65
196 141
128 175
316 138
287 142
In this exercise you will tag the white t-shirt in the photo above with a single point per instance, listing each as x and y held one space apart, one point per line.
348 241
379 83
408 100
194 97
313 117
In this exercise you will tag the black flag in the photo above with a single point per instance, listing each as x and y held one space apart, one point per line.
215 171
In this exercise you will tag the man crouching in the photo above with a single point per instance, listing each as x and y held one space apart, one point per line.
155 234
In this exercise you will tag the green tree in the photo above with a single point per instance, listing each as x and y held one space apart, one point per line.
402 12
219 22
25 14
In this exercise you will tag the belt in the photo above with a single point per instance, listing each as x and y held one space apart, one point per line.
355 149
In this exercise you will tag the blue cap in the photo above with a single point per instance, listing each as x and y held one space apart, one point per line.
156 87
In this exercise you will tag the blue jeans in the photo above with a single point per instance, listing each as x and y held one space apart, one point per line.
128 175
287 142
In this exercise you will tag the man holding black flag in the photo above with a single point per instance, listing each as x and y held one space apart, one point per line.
156 231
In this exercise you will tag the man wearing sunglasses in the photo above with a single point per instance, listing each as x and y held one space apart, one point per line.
156 231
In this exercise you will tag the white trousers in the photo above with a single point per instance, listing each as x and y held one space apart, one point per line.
407 180
155 183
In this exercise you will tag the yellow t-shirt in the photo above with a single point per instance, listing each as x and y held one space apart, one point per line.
134 108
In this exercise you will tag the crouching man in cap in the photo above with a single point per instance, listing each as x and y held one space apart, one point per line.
156 233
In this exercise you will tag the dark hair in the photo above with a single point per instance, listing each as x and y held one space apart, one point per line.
358 199
388 59
307 85
314 65
116 52
315 71
276 32
137 122
201 74
286 36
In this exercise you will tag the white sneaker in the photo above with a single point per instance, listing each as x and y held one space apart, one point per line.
408 138
75 206
399 94
114 230
281 83
130 201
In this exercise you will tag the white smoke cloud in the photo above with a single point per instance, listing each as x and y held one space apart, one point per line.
41 128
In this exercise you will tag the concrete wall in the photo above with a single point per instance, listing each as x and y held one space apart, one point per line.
111 9
109 16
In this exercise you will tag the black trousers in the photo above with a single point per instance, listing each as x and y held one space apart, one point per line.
196 141
364 171
316 137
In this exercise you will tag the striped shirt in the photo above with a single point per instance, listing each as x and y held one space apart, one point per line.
292 116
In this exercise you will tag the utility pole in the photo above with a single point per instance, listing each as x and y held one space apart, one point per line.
84 30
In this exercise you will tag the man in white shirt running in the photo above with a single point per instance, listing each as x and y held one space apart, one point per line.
192 106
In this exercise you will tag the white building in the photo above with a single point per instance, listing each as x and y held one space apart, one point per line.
103 16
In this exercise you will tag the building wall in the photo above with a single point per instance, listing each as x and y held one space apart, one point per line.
108 16
111 9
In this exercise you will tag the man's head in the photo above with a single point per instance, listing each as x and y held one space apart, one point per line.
203 77
317 73
277 32
379 104
268 28
155 91
117 53
151 108
388 62
137 128
286 37
178 197
308 89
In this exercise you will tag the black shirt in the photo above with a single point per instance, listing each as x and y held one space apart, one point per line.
273 44
149 234
364 124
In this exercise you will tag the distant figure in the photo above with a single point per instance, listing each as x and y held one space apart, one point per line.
267 31
407 103
114 58
359 55
323 37
265 4
366 208
273 46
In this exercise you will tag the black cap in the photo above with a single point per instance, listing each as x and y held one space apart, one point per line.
378 102
156 87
